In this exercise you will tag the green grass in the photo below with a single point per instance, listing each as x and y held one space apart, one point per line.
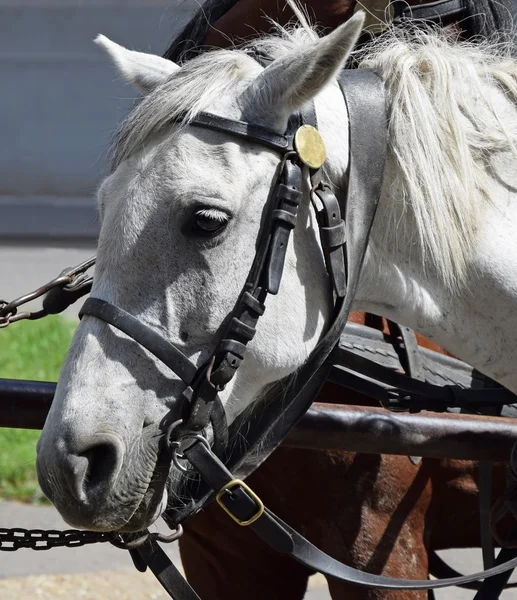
28 350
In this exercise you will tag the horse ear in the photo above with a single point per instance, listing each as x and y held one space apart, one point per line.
144 71
294 79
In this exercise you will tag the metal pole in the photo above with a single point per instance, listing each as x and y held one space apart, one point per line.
368 430
432 435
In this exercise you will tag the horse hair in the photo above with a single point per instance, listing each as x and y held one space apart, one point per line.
483 18
188 43
440 139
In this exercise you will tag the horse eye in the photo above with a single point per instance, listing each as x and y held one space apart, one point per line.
207 222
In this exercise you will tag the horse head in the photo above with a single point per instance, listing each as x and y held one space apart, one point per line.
181 215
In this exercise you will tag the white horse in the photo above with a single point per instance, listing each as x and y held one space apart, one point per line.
180 215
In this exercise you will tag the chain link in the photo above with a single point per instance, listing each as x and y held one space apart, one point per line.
68 287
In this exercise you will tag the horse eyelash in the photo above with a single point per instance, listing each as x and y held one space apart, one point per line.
213 213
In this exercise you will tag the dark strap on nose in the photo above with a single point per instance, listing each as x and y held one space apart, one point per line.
157 345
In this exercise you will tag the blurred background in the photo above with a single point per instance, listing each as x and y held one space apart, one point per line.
60 103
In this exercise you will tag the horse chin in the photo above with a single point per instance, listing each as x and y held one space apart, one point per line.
148 511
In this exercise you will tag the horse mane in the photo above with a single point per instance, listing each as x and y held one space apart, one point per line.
440 136
484 18
443 128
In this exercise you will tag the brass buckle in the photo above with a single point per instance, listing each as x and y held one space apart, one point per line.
229 486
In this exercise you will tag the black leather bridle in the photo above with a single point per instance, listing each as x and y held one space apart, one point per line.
344 243
202 405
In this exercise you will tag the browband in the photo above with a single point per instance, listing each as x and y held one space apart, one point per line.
255 133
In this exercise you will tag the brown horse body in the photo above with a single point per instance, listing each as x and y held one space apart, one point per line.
375 512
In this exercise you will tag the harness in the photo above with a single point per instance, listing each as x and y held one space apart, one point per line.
344 241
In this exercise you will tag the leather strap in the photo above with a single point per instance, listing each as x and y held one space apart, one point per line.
152 341
364 95
409 351
332 236
164 570
437 12
281 537
494 586
270 420
284 220
261 135
411 394
485 476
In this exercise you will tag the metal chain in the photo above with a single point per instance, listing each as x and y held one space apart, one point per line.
69 286
40 539
61 292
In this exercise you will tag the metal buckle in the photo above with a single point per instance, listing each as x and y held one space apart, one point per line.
228 487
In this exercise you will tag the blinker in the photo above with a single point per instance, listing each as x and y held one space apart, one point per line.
310 146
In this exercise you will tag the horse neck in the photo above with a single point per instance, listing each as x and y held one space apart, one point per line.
400 283
474 321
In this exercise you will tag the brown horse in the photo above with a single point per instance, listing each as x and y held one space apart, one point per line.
375 512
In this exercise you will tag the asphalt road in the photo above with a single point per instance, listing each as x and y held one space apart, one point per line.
23 268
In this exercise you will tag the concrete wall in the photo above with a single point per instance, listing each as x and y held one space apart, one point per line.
60 102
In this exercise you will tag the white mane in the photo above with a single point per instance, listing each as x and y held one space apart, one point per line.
443 123
443 127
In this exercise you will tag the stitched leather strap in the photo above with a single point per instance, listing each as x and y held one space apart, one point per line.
420 394
261 135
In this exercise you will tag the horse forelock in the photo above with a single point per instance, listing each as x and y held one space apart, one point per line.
445 123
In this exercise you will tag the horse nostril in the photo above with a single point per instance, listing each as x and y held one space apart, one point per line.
96 465
103 462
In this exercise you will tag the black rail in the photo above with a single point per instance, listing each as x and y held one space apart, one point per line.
25 404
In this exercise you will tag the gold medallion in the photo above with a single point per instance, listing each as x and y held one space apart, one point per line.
310 146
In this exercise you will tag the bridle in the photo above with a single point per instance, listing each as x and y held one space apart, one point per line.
344 243
200 400
298 156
